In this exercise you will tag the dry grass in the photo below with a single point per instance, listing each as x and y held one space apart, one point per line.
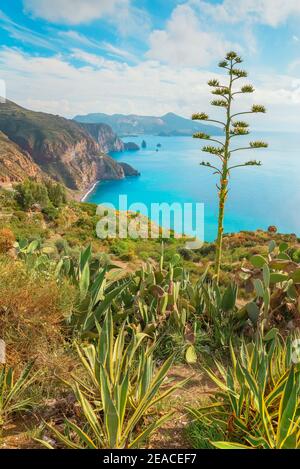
31 322
7 239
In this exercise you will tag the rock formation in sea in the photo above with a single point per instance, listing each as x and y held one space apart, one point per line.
131 146
129 170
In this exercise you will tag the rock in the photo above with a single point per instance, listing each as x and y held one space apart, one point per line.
59 147
107 139
129 170
131 146
15 164
36 208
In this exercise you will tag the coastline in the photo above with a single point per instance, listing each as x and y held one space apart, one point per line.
85 195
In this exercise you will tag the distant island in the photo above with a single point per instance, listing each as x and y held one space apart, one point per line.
168 125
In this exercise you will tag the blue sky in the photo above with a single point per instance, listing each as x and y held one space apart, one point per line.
148 56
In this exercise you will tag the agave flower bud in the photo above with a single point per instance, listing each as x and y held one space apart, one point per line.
240 124
223 64
240 131
258 108
213 82
253 163
200 116
219 102
221 91
239 73
258 144
212 150
247 89
201 135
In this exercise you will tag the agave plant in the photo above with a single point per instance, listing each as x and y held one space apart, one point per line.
12 391
124 387
216 309
33 256
275 279
257 404
161 307
96 294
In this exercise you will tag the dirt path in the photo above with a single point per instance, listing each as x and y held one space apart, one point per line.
172 434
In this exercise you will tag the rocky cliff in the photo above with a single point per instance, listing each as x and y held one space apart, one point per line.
14 163
129 170
60 147
103 134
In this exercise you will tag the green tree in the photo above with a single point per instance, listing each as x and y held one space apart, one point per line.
31 192
56 193
232 127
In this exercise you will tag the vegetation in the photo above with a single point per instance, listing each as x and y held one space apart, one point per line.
123 389
225 94
257 405
11 391
106 338
102 334
47 195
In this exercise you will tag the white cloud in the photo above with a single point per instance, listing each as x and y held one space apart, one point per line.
128 19
184 42
71 11
96 61
118 52
101 85
74 36
23 34
270 12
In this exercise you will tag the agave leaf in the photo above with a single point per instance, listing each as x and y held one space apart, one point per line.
61 437
191 355
84 257
82 435
287 408
149 430
229 445
89 414
111 416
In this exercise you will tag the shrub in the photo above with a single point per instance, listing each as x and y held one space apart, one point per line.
258 400
32 309
7 239
124 386
31 192
50 212
56 193
12 390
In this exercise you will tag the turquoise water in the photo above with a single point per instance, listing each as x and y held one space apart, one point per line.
258 197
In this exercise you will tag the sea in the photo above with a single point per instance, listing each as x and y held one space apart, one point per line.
170 172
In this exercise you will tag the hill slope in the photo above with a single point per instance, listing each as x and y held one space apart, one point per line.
104 136
169 124
14 163
62 148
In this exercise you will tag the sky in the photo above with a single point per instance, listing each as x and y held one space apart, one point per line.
149 57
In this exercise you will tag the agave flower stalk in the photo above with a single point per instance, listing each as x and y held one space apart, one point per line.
225 96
